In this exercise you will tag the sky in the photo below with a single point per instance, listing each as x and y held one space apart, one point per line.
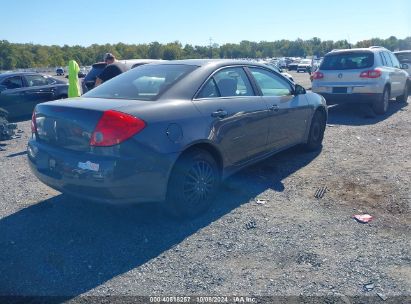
85 22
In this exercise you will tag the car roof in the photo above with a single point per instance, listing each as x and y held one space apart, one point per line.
369 49
7 74
210 62
402 52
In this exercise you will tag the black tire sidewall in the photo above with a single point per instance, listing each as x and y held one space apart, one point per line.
317 121
176 205
378 105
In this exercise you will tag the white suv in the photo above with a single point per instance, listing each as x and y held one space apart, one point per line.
364 75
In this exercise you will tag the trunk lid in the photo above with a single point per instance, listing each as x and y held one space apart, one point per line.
70 123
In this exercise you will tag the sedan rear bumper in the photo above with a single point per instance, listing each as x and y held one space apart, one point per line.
101 178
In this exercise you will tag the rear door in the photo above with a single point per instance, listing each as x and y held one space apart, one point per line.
237 117
13 98
38 90
288 113
399 76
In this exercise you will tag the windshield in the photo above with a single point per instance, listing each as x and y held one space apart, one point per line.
348 61
145 83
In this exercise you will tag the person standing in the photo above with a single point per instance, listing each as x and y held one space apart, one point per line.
74 87
112 69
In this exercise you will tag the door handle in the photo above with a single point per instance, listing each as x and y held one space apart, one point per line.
219 114
274 108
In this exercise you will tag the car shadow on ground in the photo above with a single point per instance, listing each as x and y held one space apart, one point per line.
361 114
63 247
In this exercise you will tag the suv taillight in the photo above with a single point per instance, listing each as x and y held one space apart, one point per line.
33 123
115 127
318 75
371 74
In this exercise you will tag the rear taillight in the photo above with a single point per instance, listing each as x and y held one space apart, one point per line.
371 74
318 75
33 123
115 127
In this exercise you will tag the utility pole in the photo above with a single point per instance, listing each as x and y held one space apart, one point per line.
211 47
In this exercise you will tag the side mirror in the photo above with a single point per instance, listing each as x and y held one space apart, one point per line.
404 66
299 90
2 88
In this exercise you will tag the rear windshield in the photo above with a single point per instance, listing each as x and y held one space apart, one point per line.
348 61
145 83
404 57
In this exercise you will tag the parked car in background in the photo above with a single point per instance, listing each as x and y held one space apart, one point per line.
404 57
364 75
280 70
60 71
20 92
293 65
304 66
89 80
171 132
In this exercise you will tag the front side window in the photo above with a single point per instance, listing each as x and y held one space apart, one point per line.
395 62
36 80
14 82
145 83
270 84
51 80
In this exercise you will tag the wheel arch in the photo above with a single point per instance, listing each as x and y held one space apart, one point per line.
208 147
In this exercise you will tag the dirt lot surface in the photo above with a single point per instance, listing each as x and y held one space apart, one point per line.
288 244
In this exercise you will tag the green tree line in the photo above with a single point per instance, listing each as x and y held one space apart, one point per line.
28 55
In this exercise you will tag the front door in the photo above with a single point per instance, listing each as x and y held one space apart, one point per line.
237 117
288 113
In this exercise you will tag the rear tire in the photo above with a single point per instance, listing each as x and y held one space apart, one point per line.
193 184
316 135
404 97
380 106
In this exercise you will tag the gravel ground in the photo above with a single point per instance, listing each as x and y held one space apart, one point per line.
288 244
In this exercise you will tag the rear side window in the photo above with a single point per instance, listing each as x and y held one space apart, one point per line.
348 61
145 83
388 59
13 82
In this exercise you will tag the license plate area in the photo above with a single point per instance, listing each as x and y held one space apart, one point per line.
340 90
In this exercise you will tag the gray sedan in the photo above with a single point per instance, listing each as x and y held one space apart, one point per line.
171 131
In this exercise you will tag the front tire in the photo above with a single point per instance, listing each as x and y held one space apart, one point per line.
404 97
193 184
316 135
380 106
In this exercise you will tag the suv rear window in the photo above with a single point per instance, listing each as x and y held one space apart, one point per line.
348 61
145 83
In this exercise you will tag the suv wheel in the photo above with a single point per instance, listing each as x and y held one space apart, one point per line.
404 96
380 106
193 184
